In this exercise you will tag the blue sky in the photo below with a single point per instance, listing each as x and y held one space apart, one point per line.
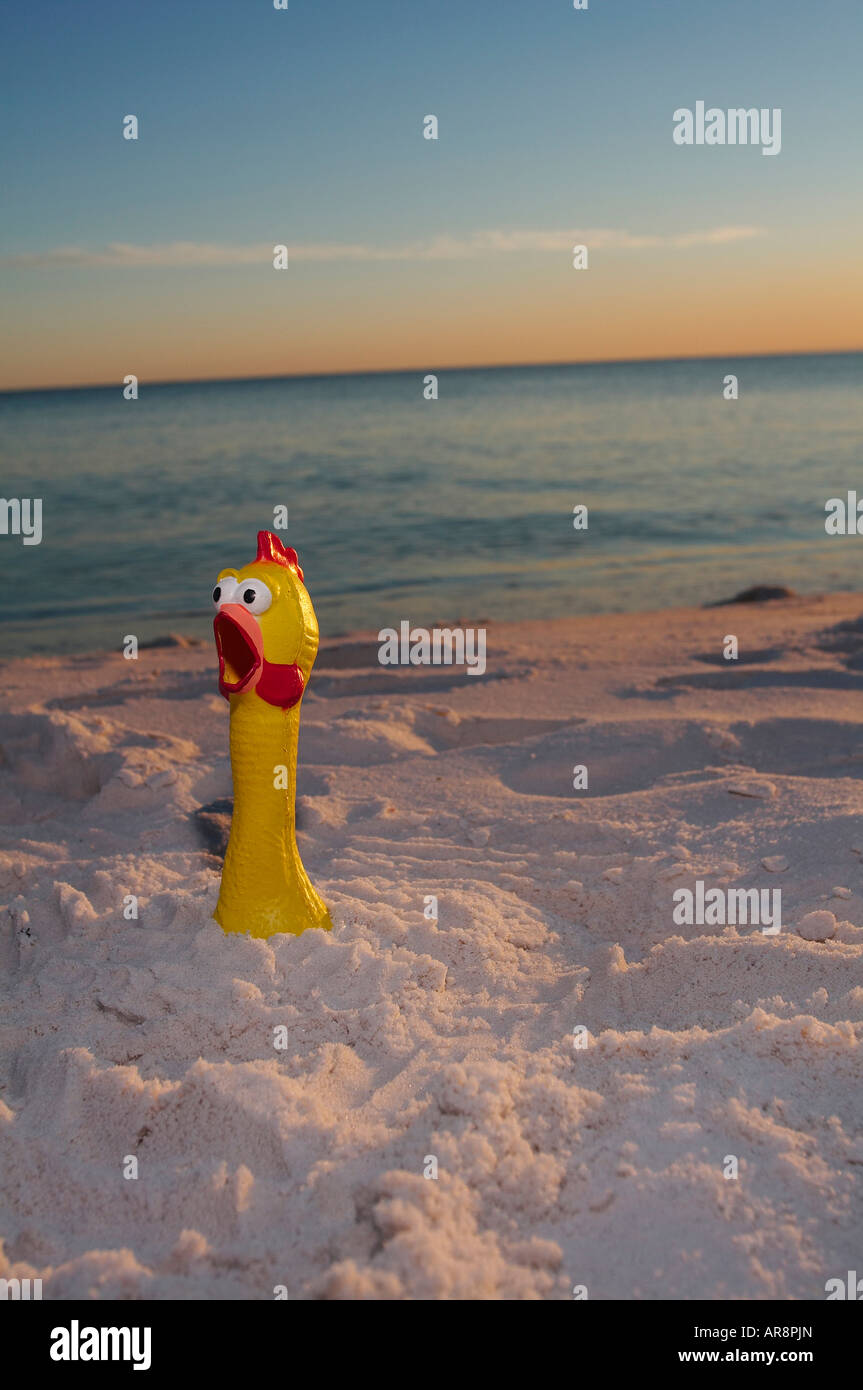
260 125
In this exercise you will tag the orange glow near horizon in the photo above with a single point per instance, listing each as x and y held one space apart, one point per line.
172 326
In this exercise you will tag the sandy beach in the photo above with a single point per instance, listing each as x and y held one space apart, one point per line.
599 1167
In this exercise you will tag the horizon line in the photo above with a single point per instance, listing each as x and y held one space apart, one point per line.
434 370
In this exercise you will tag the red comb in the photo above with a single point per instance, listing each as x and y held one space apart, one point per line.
270 548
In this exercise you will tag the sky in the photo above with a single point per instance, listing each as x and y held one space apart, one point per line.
304 127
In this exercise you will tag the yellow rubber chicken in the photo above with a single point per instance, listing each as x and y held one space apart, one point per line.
267 641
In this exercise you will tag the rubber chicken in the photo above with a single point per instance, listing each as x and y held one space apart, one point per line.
267 641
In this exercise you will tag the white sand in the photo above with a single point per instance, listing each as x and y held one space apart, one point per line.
409 1038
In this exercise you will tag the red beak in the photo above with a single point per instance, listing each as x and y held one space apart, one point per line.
240 645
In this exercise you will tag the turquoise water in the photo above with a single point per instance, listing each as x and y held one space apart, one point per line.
432 511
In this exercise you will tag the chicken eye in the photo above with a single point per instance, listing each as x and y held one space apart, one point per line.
255 596
225 591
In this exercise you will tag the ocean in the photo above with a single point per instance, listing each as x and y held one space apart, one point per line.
459 508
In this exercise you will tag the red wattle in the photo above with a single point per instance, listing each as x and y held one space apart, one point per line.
280 685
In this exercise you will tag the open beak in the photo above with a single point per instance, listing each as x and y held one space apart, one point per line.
240 645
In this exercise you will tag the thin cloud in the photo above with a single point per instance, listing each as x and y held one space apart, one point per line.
195 254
